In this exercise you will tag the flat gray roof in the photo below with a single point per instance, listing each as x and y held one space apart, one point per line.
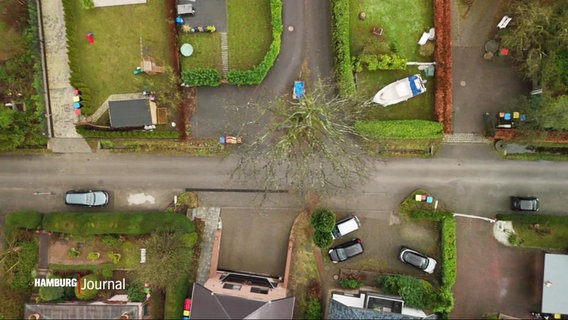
555 284
129 113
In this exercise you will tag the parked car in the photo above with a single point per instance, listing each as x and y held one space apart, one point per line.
87 198
417 260
346 250
345 226
524 203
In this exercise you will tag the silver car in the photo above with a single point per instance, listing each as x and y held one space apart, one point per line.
87 198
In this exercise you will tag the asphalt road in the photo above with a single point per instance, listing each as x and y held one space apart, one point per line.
149 182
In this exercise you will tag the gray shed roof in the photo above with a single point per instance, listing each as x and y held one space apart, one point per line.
555 284
129 113
208 305
82 311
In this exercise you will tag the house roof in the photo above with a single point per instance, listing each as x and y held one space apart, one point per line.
208 305
555 284
129 113
82 311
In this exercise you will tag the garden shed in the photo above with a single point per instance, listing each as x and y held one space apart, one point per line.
132 113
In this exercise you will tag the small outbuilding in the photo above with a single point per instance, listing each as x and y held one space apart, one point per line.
555 283
131 113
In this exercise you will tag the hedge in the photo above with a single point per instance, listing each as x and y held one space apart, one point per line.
28 220
201 77
88 132
533 218
126 223
258 72
175 296
340 43
401 129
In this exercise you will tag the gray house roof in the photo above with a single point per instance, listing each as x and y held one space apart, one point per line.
208 305
555 284
338 310
83 311
129 113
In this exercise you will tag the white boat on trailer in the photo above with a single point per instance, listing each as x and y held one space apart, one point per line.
400 90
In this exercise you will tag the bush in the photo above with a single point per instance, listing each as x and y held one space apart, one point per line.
340 42
375 62
87 4
51 293
159 132
105 271
93 256
322 239
111 241
413 291
350 283
73 253
113 257
126 223
402 129
86 294
258 72
313 309
201 77
189 239
322 219
449 257
136 293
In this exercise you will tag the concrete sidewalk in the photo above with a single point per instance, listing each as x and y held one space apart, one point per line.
58 73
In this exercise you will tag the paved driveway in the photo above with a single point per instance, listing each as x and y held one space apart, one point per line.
255 240
494 278
479 86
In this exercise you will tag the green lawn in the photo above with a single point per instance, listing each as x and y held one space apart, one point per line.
206 51
106 66
249 32
402 32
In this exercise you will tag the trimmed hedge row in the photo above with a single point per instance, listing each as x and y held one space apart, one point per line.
28 220
533 218
126 223
201 77
258 72
401 129
175 296
95 133
449 254
340 42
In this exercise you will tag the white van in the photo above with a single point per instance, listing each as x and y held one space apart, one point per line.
345 226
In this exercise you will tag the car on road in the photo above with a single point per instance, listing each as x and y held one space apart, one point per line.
524 203
417 260
87 198
345 226
346 250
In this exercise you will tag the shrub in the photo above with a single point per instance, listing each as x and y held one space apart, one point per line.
93 256
86 294
136 293
111 241
313 309
105 271
189 239
402 129
323 219
73 253
51 293
350 283
448 246
375 62
314 289
201 77
87 4
340 42
113 257
413 291
322 239
258 72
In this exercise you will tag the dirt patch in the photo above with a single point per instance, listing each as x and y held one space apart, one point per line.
443 58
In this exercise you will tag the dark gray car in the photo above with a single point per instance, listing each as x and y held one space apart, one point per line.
524 203
346 250
87 198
